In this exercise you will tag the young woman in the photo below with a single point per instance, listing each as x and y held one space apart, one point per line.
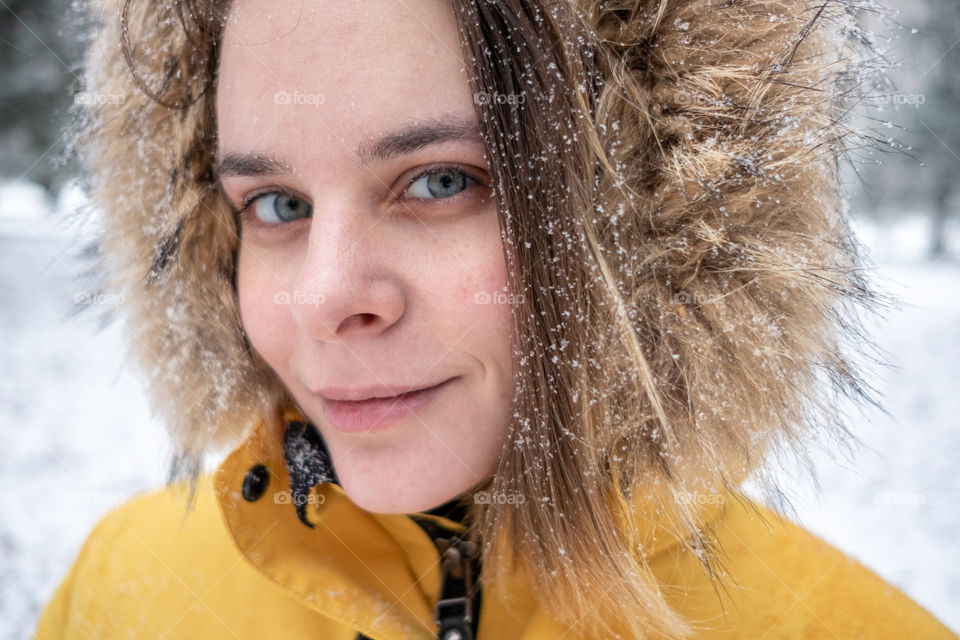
495 305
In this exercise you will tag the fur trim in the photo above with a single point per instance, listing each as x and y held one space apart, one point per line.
751 272
168 238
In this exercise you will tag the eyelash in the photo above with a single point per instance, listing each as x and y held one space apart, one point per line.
241 213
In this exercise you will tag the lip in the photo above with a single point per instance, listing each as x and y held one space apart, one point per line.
375 408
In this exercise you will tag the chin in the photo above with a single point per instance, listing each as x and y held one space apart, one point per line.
391 497
389 482
407 468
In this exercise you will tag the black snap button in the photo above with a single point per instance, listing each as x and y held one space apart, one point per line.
255 483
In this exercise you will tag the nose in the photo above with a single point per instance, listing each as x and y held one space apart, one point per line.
348 285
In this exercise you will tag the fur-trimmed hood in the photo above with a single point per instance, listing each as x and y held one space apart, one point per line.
748 277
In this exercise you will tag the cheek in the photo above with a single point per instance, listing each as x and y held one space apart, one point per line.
262 311
474 300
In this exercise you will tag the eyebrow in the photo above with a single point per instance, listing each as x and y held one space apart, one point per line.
397 143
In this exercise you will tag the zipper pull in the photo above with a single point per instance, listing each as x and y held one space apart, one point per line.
454 613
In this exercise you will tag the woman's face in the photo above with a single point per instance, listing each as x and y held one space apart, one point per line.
370 261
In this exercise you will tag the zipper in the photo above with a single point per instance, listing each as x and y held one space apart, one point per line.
457 612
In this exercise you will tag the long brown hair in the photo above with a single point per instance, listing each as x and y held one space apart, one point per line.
685 280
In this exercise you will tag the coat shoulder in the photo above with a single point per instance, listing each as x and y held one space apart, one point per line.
779 580
151 567
136 551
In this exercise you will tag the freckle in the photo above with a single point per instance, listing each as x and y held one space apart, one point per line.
469 287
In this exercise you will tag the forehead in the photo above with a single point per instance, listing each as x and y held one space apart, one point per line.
319 70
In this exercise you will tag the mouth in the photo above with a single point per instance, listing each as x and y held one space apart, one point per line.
374 409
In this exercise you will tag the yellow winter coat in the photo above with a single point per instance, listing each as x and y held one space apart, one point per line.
244 566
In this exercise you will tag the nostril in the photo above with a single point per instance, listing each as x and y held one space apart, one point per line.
359 321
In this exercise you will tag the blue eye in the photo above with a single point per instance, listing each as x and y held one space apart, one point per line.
439 183
278 208
275 208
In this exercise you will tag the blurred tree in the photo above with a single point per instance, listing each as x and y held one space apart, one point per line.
920 114
39 50
937 118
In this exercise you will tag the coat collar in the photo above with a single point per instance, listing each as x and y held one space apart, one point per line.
376 573
345 555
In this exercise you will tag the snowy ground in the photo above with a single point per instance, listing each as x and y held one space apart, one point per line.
76 433
78 439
